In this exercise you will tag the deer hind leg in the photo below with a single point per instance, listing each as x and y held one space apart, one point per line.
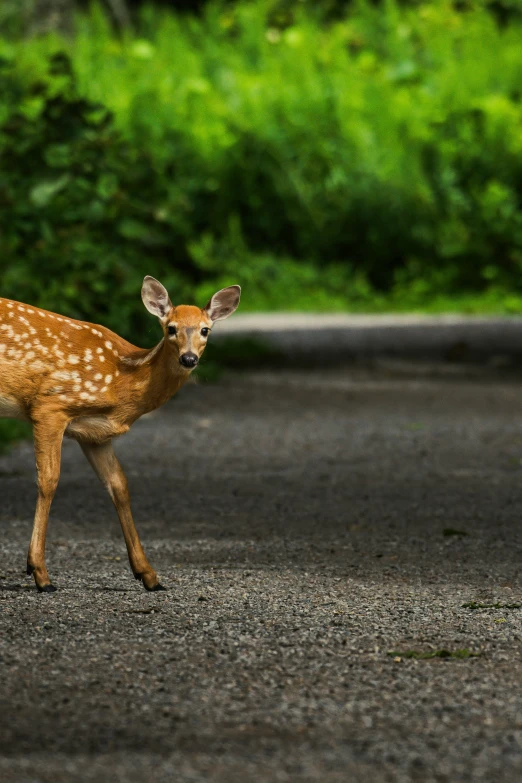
105 464
48 435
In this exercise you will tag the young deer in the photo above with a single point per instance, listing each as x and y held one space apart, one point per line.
81 380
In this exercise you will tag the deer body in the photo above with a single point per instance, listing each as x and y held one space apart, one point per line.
81 380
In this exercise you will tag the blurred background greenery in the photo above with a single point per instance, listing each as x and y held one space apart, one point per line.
362 156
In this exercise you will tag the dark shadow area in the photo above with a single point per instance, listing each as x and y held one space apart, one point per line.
14 587
307 527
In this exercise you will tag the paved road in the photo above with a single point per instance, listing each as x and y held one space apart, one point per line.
298 522
312 336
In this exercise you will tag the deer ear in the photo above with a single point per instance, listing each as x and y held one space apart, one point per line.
155 297
223 303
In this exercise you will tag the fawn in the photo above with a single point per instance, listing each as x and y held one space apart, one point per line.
79 379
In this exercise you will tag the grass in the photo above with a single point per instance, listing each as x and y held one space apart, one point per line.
12 431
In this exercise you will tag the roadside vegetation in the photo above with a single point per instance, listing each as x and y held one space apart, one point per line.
327 156
364 160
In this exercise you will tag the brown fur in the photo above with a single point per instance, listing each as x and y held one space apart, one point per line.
79 379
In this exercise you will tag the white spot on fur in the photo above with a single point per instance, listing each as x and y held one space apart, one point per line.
42 315
99 350
22 309
108 379
98 376
104 389
76 387
102 358
30 355
30 311
73 359
108 344
88 367
9 304
83 395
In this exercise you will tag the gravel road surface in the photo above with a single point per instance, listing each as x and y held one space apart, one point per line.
306 526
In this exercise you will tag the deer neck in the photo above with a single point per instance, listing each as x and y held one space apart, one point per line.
154 376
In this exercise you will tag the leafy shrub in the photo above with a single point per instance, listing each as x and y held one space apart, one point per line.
363 158
387 141
80 213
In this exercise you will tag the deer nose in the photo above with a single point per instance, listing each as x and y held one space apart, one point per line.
188 359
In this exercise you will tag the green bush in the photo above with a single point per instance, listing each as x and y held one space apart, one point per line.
364 159
78 206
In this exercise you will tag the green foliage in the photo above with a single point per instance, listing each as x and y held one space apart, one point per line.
12 430
368 159
78 206
388 140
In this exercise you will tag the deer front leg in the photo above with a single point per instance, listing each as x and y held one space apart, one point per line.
48 435
105 464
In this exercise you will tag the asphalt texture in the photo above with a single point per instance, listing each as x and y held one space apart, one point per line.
302 337
313 531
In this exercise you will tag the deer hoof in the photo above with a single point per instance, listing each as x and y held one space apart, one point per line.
155 588
46 589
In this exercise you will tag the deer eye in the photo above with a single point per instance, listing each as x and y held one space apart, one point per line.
171 329
205 331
